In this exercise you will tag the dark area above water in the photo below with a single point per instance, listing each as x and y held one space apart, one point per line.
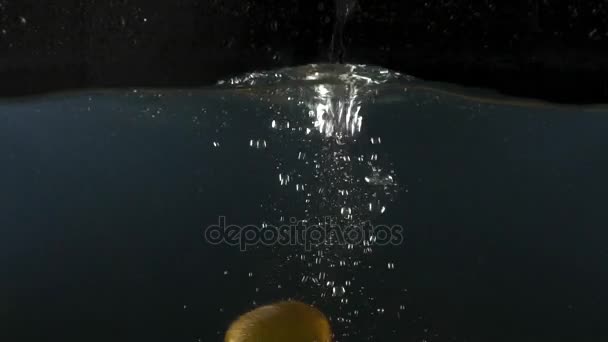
555 51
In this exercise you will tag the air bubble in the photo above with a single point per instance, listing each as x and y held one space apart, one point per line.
338 291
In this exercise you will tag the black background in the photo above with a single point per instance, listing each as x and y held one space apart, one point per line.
555 50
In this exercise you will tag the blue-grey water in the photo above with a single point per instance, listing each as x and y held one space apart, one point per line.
105 197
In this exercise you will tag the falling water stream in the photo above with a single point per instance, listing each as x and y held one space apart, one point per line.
344 10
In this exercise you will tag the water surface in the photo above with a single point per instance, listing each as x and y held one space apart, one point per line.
105 197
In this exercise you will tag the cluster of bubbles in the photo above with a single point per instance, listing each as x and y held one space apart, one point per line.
327 168
307 129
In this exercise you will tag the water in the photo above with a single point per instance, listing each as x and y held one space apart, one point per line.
344 10
107 196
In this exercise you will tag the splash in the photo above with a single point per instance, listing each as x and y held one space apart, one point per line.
328 169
